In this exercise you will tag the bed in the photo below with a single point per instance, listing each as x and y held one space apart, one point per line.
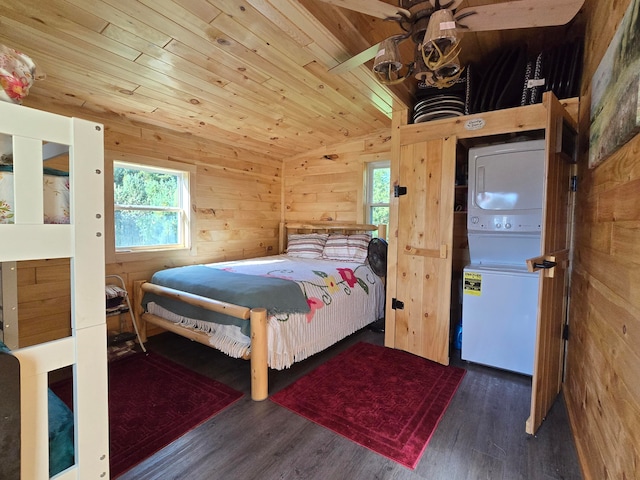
273 310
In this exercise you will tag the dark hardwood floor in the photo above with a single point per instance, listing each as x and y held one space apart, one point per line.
481 436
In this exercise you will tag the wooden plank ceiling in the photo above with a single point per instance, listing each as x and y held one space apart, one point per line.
247 73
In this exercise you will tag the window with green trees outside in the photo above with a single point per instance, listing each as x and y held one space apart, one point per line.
151 207
378 192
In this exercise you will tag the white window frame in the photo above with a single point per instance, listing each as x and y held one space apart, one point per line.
369 204
188 187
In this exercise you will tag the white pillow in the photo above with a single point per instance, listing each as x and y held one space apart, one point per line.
306 245
347 247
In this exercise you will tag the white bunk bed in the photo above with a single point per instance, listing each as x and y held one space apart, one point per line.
29 238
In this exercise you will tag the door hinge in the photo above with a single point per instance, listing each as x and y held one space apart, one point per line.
565 332
398 190
574 183
397 304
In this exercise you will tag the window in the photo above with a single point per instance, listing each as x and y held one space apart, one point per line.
378 192
151 207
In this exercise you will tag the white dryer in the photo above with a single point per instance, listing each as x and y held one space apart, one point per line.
500 298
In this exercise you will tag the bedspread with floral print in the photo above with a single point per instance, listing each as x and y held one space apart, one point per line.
321 282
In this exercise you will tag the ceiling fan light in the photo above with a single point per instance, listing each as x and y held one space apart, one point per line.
394 77
439 46
446 75
441 35
449 70
388 57
436 58
387 65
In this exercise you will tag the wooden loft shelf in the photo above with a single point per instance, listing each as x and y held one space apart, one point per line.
510 120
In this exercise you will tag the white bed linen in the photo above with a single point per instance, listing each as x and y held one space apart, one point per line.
343 298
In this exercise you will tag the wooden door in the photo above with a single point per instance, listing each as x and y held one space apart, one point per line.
422 287
556 238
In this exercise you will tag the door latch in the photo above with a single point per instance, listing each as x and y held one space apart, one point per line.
545 264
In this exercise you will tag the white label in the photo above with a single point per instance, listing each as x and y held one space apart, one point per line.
474 124
447 25
535 83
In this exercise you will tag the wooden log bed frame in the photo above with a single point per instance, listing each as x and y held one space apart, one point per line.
256 316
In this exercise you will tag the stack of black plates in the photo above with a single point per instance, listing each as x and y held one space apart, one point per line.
437 107
434 103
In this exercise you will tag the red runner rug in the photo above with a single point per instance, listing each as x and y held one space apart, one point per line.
152 402
384 399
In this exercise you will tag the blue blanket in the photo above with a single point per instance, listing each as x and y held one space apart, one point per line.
275 294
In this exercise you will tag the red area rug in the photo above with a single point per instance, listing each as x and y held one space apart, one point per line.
152 402
384 399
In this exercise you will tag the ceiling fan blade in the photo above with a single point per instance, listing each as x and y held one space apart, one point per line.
519 14
356 60
375 8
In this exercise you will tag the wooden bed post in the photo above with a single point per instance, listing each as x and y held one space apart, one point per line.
137 309
282 237
259 360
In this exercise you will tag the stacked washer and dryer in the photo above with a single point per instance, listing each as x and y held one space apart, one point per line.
504 223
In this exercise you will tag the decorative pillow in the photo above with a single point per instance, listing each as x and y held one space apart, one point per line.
347 247
17 73
306 245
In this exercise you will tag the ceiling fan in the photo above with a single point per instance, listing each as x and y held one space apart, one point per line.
436 26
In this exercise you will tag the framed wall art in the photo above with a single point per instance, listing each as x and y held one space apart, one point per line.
615 106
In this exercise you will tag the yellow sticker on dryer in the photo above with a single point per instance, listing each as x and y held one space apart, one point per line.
472 283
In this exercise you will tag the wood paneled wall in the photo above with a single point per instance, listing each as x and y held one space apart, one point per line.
44 300
602 385
327 184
